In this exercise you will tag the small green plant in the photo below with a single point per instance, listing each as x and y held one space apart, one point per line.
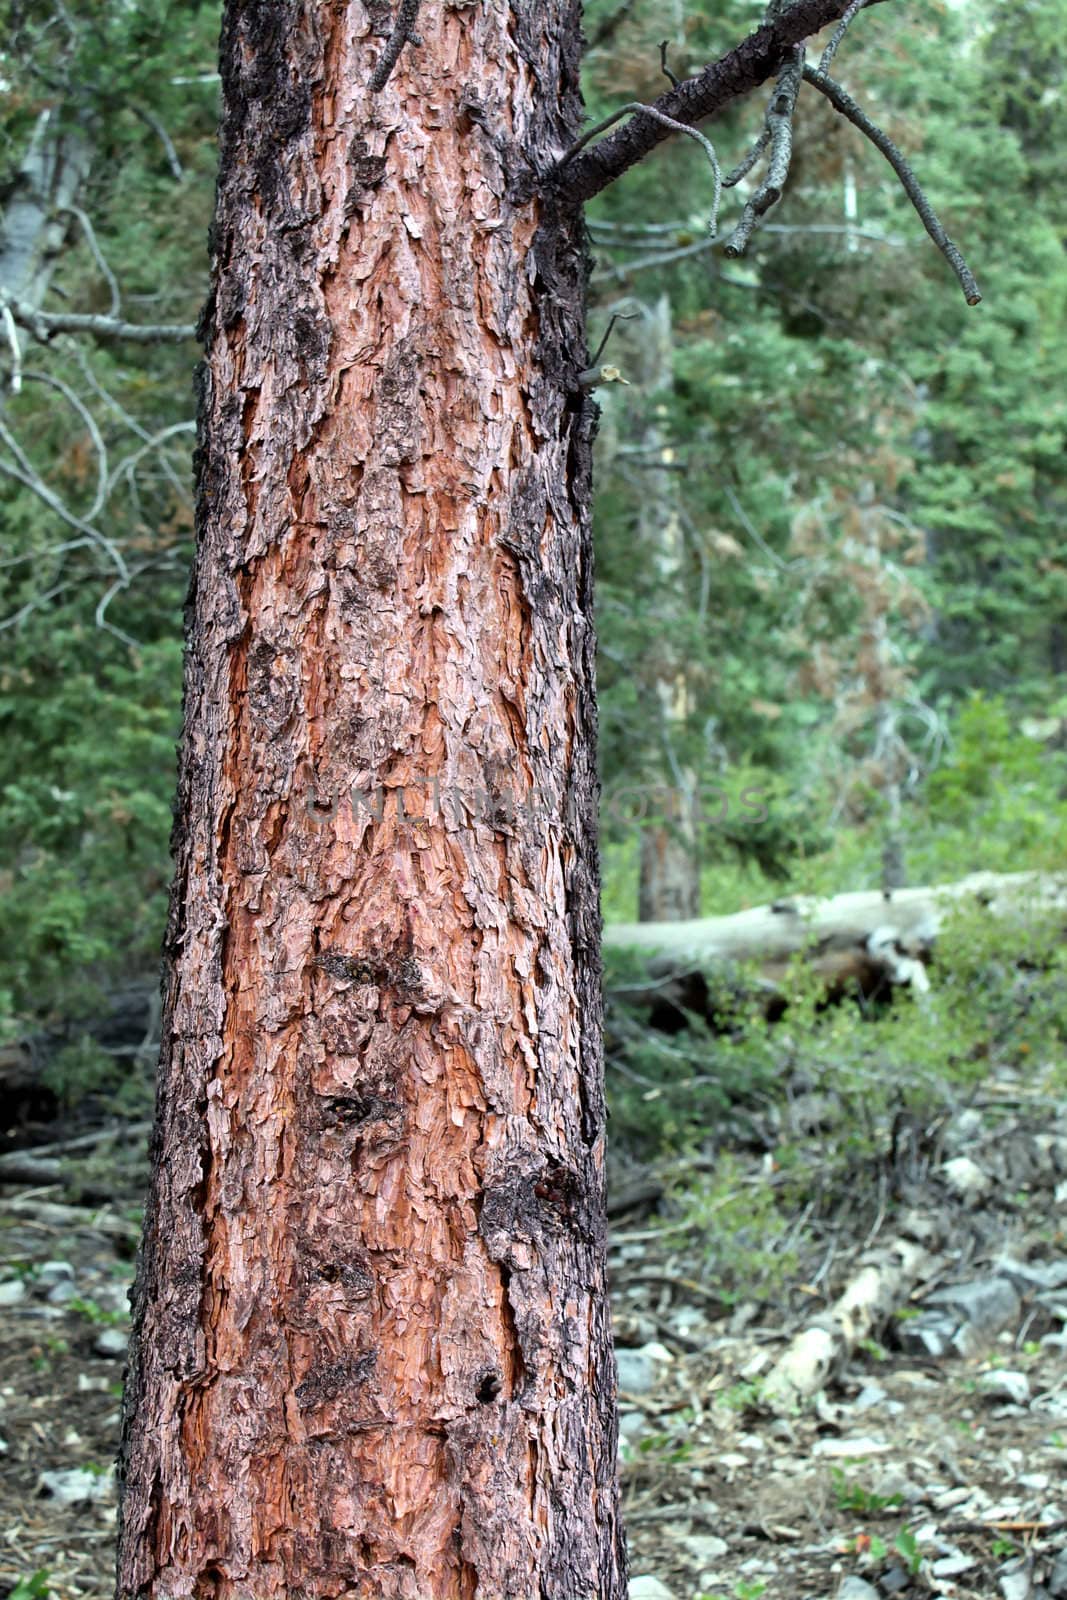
35 1587
664 1448
94 1313
742 1396
49 1348
907 1548
854 1497
1002 1547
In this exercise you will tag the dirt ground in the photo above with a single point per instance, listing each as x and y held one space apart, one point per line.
931 1463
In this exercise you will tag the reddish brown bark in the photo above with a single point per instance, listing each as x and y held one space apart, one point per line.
372 1354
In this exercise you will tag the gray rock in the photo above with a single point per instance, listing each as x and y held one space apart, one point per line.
984 1306
111 1342
927 1335
50 1272
13 1292
76 1486
62 1291
1057 1578
853 1588
966 1179
632 1424
637 1368
1033 1274
705 1546
1016 1582
646 1588
1000 1385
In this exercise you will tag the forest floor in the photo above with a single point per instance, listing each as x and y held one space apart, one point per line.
932 1462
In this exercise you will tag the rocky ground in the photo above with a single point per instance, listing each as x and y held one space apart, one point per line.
931 1462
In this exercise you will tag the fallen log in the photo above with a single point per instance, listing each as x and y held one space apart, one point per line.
864 940
823 1347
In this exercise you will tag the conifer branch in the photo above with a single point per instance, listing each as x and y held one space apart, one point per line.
634 107
855 7
403 33
779 127
741 70
848 108
44 325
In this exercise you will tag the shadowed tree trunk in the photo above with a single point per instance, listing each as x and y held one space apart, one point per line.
371 1353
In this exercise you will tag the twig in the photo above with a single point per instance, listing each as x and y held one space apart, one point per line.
98 256
91 429
632 108
745 165
848 108
402 33
153 122
667 73
26 474
616 316
610 23
780 135
855 6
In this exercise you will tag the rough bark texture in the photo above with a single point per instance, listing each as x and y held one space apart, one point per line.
371 1353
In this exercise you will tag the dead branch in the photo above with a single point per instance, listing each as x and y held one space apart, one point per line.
43 325
848 108
752 62
779 124
636 106
403 33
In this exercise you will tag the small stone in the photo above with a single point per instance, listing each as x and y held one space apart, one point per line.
1057 1578
928 1335
1000 1385
637 1368
12 1292
872 1394
61 1292
632 1424
985 1304
966 1179
50 1272
111 1342
846 1449
646 1588
853 1588
76 1486
705 1546
1016 1582
952 1566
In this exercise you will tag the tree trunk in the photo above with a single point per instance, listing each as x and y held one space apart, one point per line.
372 1354
36 218
669 877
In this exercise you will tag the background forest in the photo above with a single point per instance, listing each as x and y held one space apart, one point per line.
832 581
829 503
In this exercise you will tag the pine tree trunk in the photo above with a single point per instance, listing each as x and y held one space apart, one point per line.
372 1355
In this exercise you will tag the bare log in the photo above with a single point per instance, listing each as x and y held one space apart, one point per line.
817 1352
866 938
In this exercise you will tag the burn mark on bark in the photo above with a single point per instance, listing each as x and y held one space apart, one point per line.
332 1379
360 1110
351 969
366 172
